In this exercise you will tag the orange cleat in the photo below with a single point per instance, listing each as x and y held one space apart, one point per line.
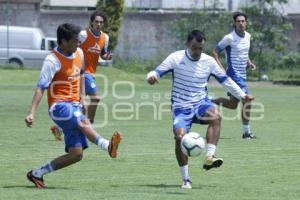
114 143
57 132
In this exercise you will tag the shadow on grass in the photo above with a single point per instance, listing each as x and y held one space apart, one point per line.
199 187
225 138
33 187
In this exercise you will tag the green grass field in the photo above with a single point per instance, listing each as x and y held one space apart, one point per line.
267 168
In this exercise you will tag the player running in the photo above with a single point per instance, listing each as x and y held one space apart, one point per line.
237 45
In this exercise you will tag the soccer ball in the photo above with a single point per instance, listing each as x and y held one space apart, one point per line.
192 144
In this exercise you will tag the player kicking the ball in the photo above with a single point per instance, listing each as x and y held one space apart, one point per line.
94 44
190 104
62 76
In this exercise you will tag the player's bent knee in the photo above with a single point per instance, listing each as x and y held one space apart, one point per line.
234 105
77 157
178 138
95 99
84 124
178 135
215 118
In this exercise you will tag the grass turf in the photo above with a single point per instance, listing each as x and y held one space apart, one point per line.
266 168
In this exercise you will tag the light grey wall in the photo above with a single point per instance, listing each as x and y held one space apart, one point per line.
143 35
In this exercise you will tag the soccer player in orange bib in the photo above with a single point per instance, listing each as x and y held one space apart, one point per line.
94 44
62 75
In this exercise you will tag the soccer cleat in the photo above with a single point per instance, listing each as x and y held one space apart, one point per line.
247 135
57 132
38 182
212 163
186 184
114 143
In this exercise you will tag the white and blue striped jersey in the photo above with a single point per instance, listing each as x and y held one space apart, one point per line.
237 53
190 78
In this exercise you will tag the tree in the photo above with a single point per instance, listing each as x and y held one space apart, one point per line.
269 29
266 24
213 24
114 12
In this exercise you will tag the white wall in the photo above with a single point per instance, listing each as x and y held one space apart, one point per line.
78 3
70 3
292 7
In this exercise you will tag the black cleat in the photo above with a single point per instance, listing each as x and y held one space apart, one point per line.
212 163
38 182
249 136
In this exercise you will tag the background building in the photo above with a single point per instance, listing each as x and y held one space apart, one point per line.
143 34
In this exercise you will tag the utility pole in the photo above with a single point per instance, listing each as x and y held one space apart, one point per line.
7 28
230 5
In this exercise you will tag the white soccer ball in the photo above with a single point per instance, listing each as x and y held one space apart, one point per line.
192 144
264 77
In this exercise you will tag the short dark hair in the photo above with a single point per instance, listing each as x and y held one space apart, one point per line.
237 14
198 35
98 13
67 31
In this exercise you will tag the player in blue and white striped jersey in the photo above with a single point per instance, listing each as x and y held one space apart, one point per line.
190 104
237 45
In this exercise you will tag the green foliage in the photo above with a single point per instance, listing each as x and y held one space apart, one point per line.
284 74
114 11
290 61
136 65
266 24
213 24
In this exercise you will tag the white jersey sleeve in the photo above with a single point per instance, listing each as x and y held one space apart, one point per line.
217 71
82 59
226 81
233 88
51 65
226 41
82 36
106 43
166 66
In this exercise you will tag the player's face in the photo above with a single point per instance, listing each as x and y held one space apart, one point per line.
240 23
195 48
97 24
72 44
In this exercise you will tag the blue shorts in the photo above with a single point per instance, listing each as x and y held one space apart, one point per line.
184 117
67 116
241 83
90 84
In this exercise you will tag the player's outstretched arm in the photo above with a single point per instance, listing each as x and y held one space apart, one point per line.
38 94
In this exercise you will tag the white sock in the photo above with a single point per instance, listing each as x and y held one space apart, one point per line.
184 171
210 150
45 169
102 143
246 128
